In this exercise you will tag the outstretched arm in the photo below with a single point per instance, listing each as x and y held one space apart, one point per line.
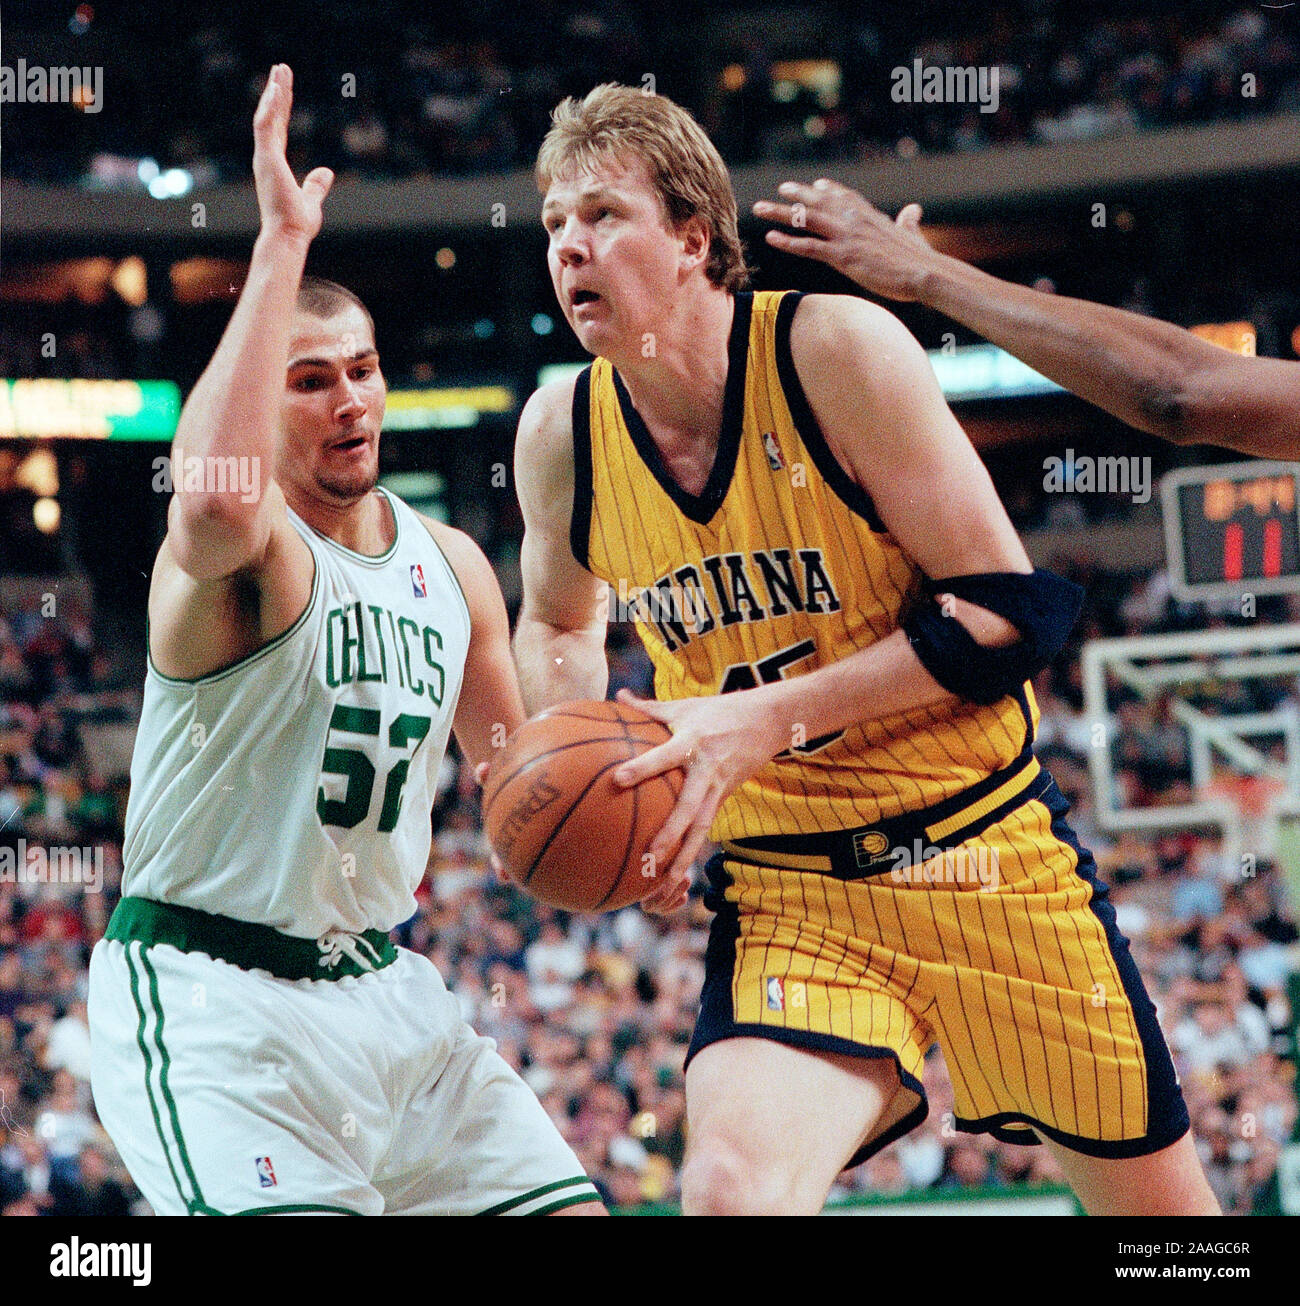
234 408
1150 374
232 573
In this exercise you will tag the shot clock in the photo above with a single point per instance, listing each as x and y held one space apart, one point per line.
1233 529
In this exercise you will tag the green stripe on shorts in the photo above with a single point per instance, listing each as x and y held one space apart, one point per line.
196 1203
164 1067
148 1073
535 1193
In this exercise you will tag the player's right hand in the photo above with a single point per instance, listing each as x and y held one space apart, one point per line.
835 225
287 209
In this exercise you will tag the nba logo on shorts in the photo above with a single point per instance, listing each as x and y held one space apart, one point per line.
265 1172
775 993
417 581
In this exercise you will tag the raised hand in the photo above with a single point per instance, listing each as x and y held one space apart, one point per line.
835 225
286 208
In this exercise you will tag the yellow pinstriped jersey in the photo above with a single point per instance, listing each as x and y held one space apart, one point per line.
779 566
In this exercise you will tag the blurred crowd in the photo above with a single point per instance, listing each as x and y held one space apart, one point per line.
404 96
596 1012
1088 75
55 689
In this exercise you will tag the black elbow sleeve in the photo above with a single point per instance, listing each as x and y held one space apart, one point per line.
1042 606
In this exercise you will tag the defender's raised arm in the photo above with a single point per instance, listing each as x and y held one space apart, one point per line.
233 410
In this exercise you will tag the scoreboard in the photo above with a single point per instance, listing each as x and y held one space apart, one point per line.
1232 529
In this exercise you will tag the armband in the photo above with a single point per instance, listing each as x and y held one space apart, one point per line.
1042 606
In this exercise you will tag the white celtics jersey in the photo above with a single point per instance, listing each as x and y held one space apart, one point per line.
293 789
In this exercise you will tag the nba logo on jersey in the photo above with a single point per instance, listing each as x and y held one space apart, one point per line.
775 993
417 581
265 1172
774 459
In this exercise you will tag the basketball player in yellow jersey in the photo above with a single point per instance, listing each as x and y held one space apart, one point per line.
842 622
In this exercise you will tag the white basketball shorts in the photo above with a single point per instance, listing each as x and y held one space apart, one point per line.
234 1091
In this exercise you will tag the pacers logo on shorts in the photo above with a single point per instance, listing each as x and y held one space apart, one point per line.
265 1172
868 845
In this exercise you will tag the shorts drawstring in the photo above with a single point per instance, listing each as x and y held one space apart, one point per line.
336 943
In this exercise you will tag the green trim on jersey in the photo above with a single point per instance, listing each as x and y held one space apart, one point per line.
241 943
580 1200
451 571
213 676
292 1208
502 1207
370 560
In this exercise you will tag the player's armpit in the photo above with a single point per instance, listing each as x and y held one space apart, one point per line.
199 624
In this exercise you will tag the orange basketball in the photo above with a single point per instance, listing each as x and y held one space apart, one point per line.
561 827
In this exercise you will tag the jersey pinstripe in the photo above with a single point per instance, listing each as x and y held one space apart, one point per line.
1041 1030
1020 975
779 566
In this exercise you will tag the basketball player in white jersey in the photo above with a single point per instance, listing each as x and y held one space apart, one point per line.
259 1044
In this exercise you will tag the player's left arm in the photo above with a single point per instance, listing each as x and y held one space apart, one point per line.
490 707
880 408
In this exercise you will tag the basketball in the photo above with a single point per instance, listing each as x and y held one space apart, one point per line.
562 828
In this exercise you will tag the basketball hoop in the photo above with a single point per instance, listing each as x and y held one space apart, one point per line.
1245 766
1258 800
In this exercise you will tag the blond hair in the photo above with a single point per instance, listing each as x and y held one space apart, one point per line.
684 166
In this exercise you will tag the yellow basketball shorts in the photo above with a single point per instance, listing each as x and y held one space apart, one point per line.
988 934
